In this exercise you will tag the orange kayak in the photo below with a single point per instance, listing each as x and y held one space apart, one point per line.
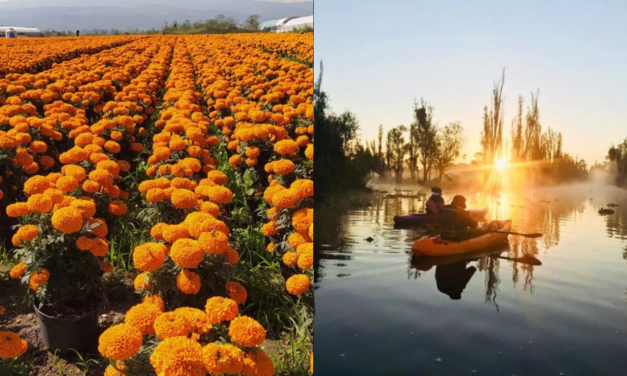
435 246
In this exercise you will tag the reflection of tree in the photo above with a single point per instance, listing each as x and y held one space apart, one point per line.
491 266
331 234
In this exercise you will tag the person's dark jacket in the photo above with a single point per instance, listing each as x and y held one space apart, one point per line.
434 204
455 223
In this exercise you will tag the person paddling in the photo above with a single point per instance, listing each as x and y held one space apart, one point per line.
435 202
456 224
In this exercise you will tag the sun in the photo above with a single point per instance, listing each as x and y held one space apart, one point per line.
501 164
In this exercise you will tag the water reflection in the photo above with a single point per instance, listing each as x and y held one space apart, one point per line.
372 297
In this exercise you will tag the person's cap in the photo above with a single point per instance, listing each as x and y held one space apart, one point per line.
436 189
459 201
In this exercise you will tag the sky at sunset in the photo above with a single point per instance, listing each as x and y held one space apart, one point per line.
380 55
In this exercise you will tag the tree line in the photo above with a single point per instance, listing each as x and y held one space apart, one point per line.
215 25
425 151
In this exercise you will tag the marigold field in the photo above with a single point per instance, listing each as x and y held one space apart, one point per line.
165 182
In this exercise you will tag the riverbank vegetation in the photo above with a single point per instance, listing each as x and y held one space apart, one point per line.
425 152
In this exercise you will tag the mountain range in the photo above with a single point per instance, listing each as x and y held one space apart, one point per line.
138 14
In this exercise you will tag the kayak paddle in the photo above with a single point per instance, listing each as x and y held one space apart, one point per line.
533 235
526 259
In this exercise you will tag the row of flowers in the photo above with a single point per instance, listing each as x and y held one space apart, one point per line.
234 95
34 55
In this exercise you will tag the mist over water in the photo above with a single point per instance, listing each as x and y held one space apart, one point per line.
381 311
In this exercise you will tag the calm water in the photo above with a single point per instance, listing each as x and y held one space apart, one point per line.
377 313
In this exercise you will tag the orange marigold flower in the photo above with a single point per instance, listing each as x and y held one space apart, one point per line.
120 342
37 278
297 284
295 239
39 203
309 152
237 292
99 247
36 184
157 230
257 363
172 233
305 260
112 147
27 233
218 177
290 258
155 195
223 359
90 186
305 187
18 209
153 299
253 152
302 219
286 198
220 309
232 256
210 208
283 167
188 282
220 195
186 253
214 242
142 316
247 331
77 172
18 270
111 166
55 195
118 208
269 229
149 256
286 147
110 371
102 177
106 267
11 345
142 281
101 230
178 356
170 324
196 318
67 220
184 199
85 207
67 184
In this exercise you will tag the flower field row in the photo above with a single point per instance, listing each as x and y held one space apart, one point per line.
203 148
33 55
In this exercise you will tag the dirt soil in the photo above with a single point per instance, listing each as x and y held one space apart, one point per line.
20 318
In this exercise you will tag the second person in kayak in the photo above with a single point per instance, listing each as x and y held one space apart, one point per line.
435 202
456 224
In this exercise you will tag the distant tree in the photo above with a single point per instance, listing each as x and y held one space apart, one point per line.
449 141
425 134
492 135
413 151
517 132
398 151
533 131
252 22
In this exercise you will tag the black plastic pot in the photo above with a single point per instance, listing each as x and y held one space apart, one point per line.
65 335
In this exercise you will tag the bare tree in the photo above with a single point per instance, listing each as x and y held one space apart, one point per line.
492 136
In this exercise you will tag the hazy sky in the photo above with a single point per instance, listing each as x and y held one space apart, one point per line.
380 55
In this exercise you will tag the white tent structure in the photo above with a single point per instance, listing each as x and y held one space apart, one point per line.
296 23
22 32
275 25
